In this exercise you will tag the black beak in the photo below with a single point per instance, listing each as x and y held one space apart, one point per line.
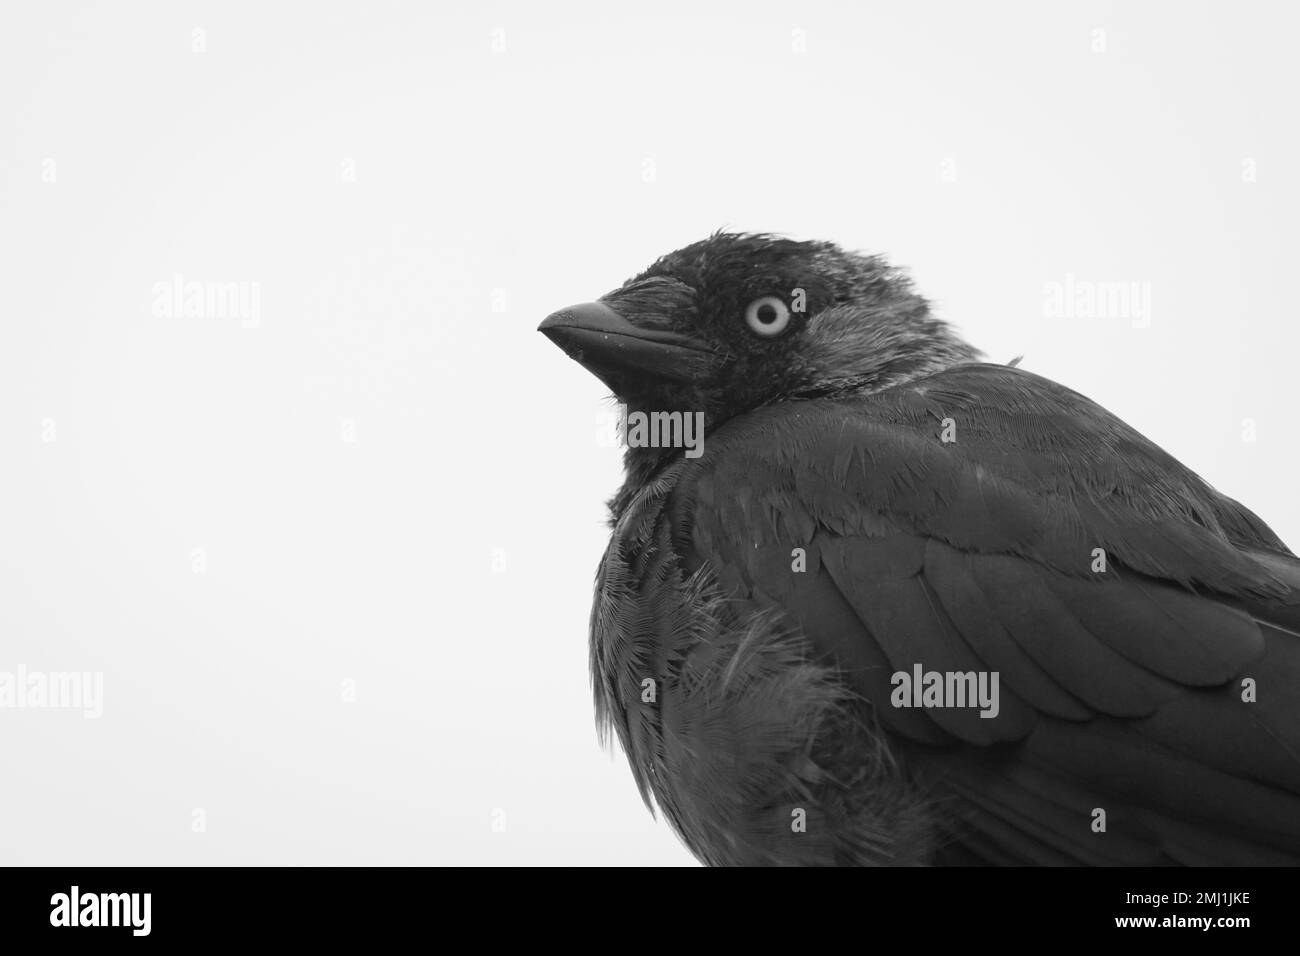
615 350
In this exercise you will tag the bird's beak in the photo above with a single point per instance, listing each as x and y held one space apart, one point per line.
615 350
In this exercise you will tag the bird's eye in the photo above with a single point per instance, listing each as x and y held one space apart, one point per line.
767 316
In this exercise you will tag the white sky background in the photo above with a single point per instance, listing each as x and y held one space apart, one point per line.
381 173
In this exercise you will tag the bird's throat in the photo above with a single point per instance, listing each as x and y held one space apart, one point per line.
653 440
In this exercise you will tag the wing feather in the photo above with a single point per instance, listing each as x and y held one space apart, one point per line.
1121 688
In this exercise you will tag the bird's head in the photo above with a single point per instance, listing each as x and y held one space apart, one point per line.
736 321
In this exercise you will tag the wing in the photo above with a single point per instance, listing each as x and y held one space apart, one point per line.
1145 630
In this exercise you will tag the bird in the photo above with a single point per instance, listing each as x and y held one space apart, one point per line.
906 607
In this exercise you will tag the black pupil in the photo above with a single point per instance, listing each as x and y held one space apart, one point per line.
767 313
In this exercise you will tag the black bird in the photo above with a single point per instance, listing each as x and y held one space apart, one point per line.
873 504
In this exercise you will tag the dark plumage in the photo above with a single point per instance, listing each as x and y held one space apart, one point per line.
749 694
